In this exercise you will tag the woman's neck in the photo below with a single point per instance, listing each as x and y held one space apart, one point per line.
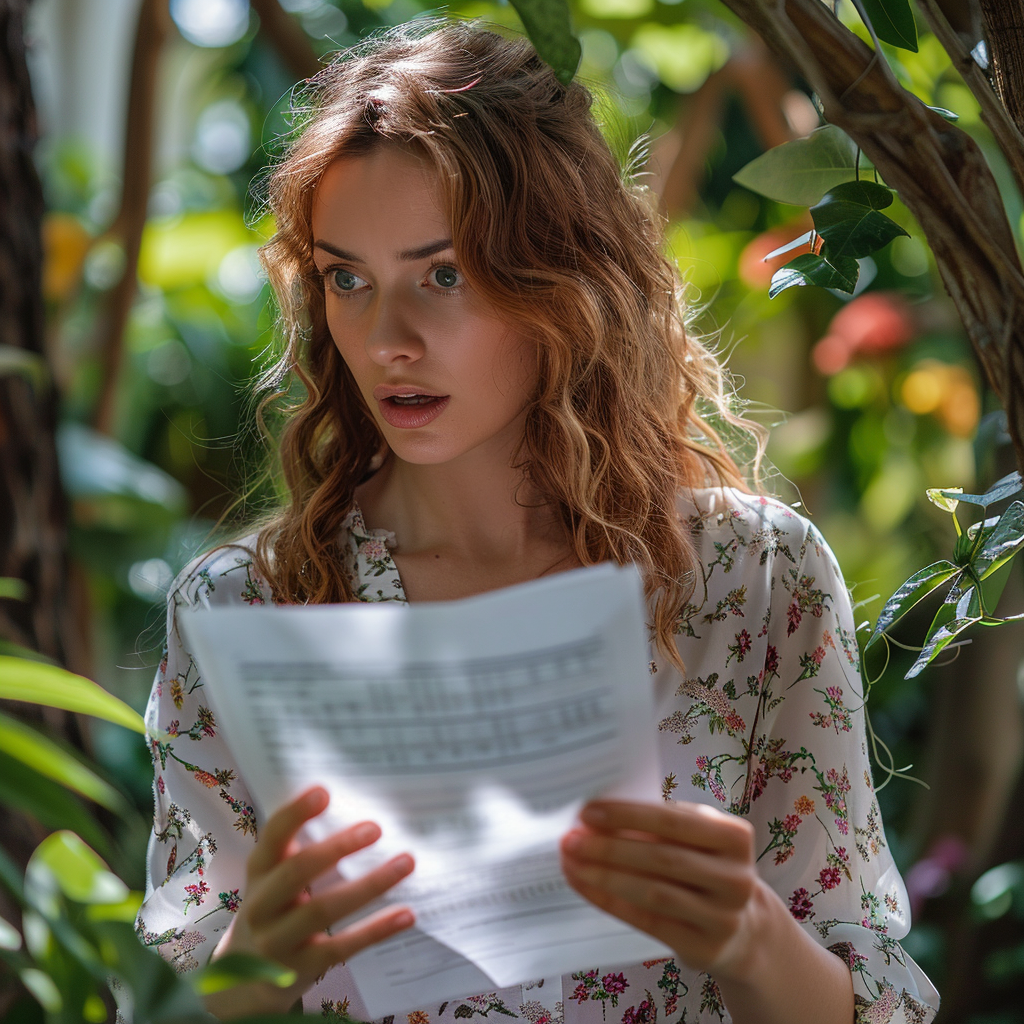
472 508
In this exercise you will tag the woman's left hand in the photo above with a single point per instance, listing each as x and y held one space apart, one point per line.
682 872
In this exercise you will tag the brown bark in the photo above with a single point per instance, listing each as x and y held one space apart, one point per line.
32 509
137 170
1004 20
938 171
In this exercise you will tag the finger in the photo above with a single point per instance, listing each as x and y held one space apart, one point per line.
281 886
650 900
726 881
688 824
326 908
281 827
324 951
689 942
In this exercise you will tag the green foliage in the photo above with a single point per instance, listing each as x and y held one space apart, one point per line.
54 687
801 172
973 574
892 20
547 23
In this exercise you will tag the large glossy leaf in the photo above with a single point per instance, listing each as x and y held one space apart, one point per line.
1005 487
848 219
922 583
57 688
860 193
77 870
893 22
1001 542
549 26
863 232
802 171
824 271
46 757
13 650
236 968
937 641
52 805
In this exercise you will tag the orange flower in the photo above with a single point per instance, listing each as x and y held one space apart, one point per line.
804 805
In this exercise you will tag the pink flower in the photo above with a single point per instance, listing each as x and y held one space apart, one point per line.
829 878
614 983
800 905
791 822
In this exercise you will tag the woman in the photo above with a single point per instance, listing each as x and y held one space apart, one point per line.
499 385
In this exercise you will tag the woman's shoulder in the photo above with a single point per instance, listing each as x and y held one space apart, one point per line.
750 532
224 575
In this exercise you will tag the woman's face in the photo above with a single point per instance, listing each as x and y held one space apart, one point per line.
441 373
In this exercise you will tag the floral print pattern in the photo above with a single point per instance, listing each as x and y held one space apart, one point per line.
767 723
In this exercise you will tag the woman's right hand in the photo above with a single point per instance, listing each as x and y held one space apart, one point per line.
279 920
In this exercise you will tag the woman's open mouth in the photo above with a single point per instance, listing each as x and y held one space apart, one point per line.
408 412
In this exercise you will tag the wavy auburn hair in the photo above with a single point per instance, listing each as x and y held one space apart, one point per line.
547 231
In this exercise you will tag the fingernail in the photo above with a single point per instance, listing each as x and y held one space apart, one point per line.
594 814
401 864
572 841
366 832
404 918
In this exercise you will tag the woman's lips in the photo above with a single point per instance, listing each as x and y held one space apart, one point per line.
409 411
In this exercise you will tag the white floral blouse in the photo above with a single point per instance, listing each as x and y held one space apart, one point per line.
767 724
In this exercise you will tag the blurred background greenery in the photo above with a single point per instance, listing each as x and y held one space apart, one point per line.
872 399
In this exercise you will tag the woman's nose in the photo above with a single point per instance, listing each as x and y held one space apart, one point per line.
393 336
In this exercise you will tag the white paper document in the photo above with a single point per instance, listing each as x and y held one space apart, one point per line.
471 731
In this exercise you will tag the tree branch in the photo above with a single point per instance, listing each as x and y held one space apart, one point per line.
1007 133
936 169
137 170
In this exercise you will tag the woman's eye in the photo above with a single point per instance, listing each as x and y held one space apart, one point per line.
444 277
345 281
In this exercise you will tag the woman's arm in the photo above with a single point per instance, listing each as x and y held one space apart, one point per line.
685 874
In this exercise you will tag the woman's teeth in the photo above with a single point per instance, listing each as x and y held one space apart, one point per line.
413 399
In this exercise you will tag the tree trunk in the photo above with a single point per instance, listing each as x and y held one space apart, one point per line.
936 169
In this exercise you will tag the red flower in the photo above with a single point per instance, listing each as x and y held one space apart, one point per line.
800 905
829 878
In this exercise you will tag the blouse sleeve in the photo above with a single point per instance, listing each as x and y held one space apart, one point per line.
204 824
821 844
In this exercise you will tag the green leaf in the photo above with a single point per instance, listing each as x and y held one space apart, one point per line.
825 272
946 500
41 985
46 757
937 641
848 220
76 869
860 234
802 171
789 246
549 26
17 651
1002 542
51 804
13 588
57 688
236 968
893 22
1003 488
10 937
946 114
922 583
30 365
861 193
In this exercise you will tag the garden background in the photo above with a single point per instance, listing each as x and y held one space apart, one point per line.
872 398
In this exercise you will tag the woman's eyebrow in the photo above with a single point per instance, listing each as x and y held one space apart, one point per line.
419 253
